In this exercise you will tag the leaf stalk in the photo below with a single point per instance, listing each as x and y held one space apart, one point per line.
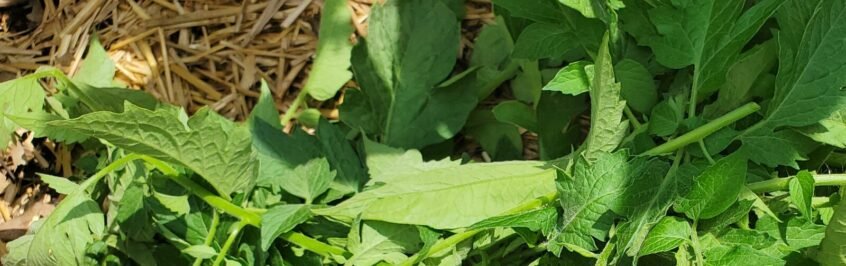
704 131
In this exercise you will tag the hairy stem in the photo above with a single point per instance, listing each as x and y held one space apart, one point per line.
314 245
778 184
697 249
704 131
229 241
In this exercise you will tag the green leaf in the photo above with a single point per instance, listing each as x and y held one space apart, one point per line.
97 70
586 7
112 98
308 181
796 232
741 78
667 234
739 210
708 34
372 242
330 69
18 96
60 184
830 130
449 197
278 153
281 219
666 117
559 133
833 246
212 146
536 220
398 71
715 189
784 147
638 87
802 191
200 251
739 255
387 164
342 157
63 237
590 193
606 128
516 113
573 79
500 139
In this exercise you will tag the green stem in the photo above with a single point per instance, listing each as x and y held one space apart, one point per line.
697 249
458 238
705 152
632 118
778 184
229 241
114 166
314 245
704 131
292 110
218 202
210 237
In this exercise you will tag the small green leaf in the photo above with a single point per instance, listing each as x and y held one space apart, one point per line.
330 69
386 163
97 68
60 184
308 181
715 189
668 234
500 139
279 220
833 246
17 97
573 79
371 242
638 87
666 117
536 220
200 251
801 191
607 127
516 113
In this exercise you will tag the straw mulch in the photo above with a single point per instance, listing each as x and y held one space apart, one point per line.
190 53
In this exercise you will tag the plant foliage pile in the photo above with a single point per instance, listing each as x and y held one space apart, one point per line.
709 121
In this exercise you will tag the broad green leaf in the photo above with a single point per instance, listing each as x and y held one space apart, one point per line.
715 189
606 128
586 7
342 157
667 234
449 197
527 84
593 190
308 181
811 75
371 242
132 216
212 146
330 69
833 246
500 139
387 164
558 31
784 147
741 78
638 87
645 202
708 34
559 134
17 97
802 191
739 210
97 69
492 58
796 232
536 220
739 255
547 11
279 220
112 98
516 113
410 48
573 79
666 117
